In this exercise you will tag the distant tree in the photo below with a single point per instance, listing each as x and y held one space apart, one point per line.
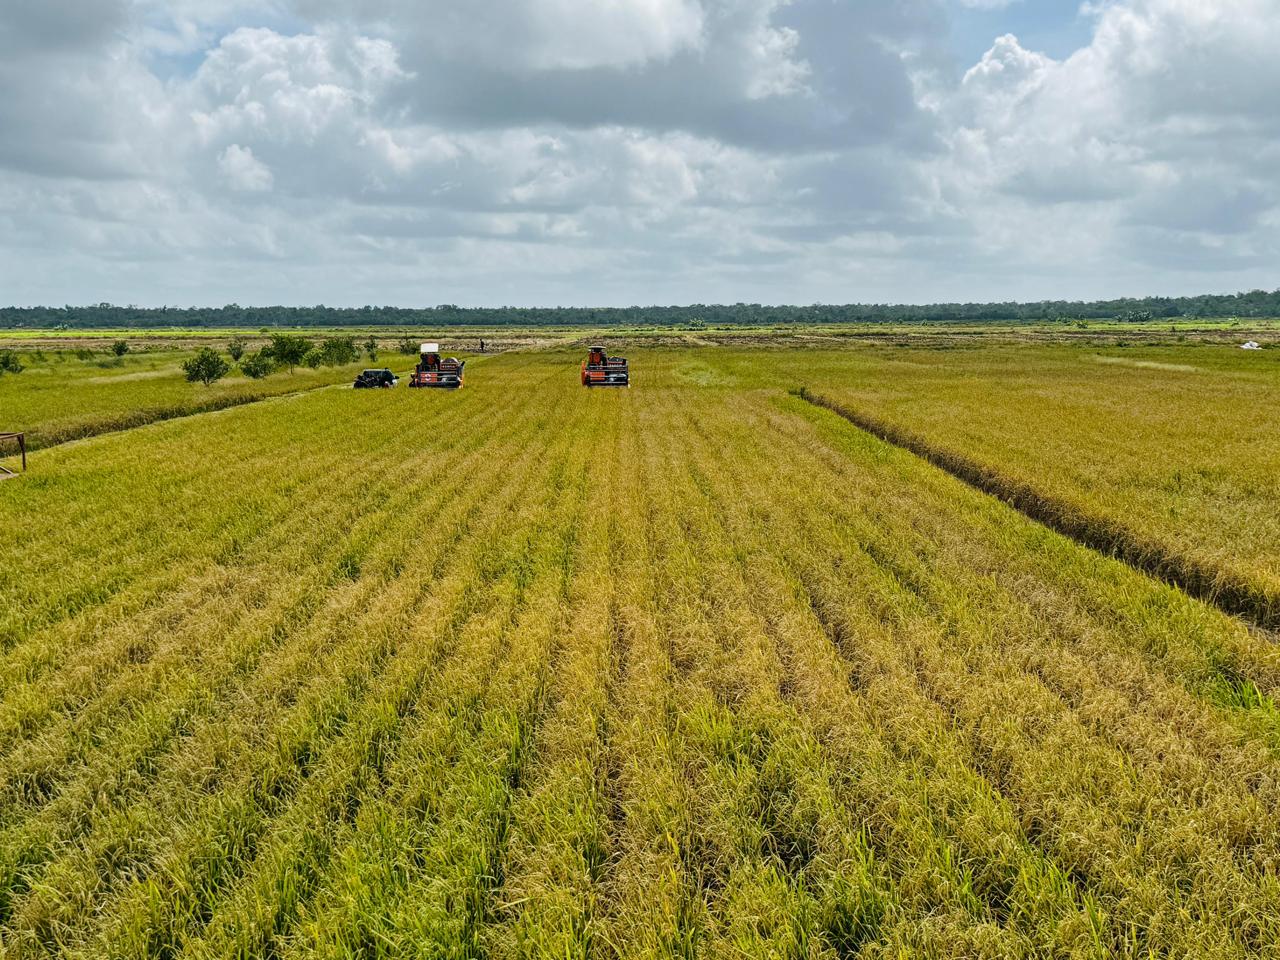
235 348
206 366
371 348
120 348
9 362
258 365
289 350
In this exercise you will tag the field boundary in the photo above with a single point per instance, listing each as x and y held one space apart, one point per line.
147 416
1228 591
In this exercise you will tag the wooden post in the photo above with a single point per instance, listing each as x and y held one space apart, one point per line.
5 472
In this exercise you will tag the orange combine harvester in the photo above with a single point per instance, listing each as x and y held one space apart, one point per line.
432 371
602 370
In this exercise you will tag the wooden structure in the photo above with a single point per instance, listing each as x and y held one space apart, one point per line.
5 472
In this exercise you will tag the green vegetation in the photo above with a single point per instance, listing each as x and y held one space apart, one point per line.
1255 304
693 669
205 367
259 365
290 351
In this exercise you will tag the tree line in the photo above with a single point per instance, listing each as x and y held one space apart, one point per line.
1254 304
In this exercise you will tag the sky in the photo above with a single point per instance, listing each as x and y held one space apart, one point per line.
617 152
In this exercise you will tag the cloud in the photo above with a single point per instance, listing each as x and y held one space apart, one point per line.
532 36
628 150
1152 134
243 171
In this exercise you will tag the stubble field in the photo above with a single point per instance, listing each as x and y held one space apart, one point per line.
697 668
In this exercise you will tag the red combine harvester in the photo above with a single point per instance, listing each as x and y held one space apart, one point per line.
432 371
602 370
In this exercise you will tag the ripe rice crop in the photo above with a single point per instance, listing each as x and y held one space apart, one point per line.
691 669
1168 455
60 398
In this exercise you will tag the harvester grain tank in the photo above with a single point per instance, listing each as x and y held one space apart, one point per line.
435 371
602 370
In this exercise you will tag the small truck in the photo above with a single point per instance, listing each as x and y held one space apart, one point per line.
375 379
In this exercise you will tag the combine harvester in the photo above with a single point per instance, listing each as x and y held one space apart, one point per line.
432 371
602 370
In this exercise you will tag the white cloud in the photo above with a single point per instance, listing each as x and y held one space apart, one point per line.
243 171
629 150
1148 139
536 35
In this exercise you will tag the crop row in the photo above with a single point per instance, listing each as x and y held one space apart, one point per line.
692 670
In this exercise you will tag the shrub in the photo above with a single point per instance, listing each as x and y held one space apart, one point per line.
407 346
9 362
371 348
235 349
337 351
206 366
312 359
120 348
288 350
258 366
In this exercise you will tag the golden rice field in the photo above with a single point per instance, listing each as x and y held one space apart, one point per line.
59 397
1173 450
695 669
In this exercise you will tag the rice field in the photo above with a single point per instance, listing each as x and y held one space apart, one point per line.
695 669
60 397
1168 452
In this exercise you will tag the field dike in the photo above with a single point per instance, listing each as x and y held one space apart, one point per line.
1229 592
42 439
